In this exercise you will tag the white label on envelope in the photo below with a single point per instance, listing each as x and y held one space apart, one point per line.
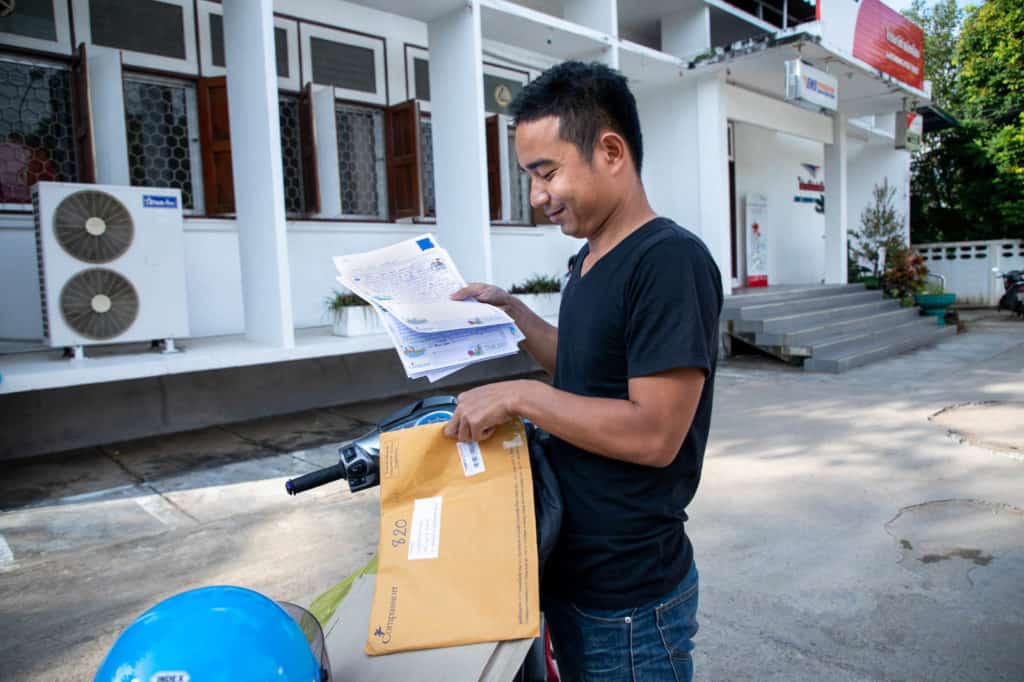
425 534
472 460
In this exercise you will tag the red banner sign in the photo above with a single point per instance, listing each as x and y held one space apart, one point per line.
887 40
876 34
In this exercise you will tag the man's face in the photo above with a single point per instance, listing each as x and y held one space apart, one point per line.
576 195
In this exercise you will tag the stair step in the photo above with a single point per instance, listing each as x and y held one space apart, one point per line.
863 339
773 295
781 308
806 337
850 358
817 318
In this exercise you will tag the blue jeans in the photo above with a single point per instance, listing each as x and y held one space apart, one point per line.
649 643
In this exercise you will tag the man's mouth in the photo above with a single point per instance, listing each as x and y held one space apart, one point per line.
554 214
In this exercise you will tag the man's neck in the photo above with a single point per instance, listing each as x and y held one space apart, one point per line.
629 216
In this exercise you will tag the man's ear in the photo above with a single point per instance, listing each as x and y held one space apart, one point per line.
612 150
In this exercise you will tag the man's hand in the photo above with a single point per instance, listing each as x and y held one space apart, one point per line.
482 409
485 293
541 338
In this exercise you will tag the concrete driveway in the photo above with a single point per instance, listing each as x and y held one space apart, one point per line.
865 526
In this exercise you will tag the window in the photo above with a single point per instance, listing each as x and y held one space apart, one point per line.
519 184
157 34
36 137
352 64
291 155
361 161
162 136
501 83
36 25
211 45
427 154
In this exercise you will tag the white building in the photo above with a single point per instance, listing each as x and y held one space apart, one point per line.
353 125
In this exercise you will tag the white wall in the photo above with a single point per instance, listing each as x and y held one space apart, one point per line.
768 162
668 119
521 252
869 163
21 315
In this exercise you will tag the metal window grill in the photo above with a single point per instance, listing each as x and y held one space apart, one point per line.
361 161
161 131
427 157
519 182
36 138
291 155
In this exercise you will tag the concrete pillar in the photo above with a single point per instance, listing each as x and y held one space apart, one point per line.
256 165
713 162
110 130
460 152
686 33
836 202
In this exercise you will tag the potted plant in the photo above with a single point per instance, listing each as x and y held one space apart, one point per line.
881 231
540 293
904 275
934 300
351 315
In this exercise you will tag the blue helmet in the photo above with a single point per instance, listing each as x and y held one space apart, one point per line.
218 634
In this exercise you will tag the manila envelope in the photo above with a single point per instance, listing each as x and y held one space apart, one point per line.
458 541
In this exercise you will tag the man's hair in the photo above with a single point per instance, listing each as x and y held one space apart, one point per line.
586 98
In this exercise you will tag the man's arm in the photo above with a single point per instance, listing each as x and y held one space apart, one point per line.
541 338
647 429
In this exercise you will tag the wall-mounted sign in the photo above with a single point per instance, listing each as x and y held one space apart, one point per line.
875 33
909 129
811 87
811 183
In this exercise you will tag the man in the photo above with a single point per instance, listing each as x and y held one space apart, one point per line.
633 360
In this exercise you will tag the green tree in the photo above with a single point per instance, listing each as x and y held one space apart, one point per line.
991 84
941 22
967 183
880 226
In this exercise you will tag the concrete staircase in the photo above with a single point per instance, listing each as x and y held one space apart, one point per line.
828 328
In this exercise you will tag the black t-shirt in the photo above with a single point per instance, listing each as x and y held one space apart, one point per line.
649 305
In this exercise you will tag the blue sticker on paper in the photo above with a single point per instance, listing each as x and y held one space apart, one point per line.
157 201
425 243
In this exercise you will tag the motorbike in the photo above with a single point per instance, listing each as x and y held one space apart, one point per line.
1013 291
358 465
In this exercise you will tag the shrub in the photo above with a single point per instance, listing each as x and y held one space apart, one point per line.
538 284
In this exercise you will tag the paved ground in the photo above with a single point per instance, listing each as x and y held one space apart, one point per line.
849 527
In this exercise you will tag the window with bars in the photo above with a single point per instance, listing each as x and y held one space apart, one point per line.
291 155
162 136
427 156
519 184
36 137
361 161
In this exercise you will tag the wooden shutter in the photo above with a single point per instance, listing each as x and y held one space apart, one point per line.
402 133
307 142
85 143
215 141
493 167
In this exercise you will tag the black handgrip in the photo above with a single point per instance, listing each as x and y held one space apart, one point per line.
315 478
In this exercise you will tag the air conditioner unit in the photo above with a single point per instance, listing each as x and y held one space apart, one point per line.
111 263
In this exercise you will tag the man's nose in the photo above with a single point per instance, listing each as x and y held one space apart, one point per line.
538 195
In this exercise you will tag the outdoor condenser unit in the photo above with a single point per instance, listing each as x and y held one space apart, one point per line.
111 263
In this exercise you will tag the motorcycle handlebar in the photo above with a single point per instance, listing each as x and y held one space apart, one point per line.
315 479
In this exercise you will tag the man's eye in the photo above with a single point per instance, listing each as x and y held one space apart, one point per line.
549 175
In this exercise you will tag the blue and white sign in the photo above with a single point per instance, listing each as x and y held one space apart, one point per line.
159 201
810 87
